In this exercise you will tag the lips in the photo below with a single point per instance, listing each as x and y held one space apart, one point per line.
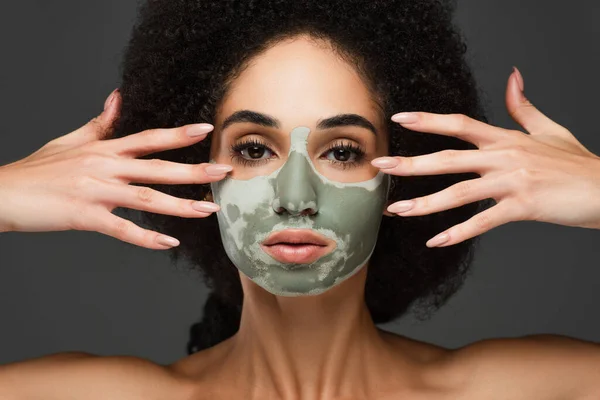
297 246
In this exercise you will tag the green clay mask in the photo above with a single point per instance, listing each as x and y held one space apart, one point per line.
347 213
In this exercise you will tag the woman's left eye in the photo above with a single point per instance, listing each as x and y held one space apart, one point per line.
344 154
341 155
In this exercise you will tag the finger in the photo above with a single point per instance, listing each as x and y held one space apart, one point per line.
147 199
155 140
442 162
500 214
126 231
161 171
456 125
527 115
112 110
99 128
459 194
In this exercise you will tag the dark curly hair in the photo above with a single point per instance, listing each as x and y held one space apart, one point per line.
180 60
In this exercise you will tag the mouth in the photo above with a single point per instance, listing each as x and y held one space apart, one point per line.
297 246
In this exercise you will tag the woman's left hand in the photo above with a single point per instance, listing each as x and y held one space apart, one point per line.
544 176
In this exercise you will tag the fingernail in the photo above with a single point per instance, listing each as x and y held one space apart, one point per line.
218 169
519 79
205 206
110 99
401 206
167 241
405 118
198 130
385 162
438 240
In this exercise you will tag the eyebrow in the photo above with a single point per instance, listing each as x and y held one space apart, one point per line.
272 122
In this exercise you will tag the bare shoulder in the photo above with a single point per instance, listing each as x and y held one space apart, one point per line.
76 375
543 367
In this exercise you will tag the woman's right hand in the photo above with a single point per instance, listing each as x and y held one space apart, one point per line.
76 180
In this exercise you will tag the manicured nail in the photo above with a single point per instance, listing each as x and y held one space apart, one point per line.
401 206
385 162
405 118
205 206
438 240
519 79
110 99
167 241
218 169
199 130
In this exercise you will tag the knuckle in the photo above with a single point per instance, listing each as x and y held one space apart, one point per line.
459 122
522 109
121 228
513 154
149 237
422 204
524 182
408 165
448 156
526 104
152 132
157 134
96 147
157 163
462 191
145 194
483 221
197 170
83 182
93 161
525 175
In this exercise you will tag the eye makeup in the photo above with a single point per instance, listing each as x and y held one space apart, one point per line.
342 154
250 152
253 152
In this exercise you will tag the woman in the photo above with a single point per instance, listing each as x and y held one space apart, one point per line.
300 95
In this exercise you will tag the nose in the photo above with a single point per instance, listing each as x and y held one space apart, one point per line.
295 192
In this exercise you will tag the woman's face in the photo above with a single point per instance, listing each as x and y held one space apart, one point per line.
301 210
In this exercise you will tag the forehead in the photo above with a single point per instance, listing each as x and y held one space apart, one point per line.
299 81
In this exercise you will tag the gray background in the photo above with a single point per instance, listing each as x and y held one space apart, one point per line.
89 292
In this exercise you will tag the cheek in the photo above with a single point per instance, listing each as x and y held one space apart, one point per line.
346 174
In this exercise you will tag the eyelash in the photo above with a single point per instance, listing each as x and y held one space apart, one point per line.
236 153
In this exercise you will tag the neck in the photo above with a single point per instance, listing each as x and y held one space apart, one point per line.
309 346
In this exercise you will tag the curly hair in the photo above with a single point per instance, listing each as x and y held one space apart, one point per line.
178 65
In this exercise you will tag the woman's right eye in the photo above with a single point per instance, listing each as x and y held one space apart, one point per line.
256 152
251 152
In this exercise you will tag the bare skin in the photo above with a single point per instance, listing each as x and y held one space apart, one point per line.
321 347
543 367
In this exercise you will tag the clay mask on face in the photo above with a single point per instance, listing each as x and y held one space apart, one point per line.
347 213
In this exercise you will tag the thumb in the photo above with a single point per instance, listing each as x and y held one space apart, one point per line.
527 115
98 128
102 127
